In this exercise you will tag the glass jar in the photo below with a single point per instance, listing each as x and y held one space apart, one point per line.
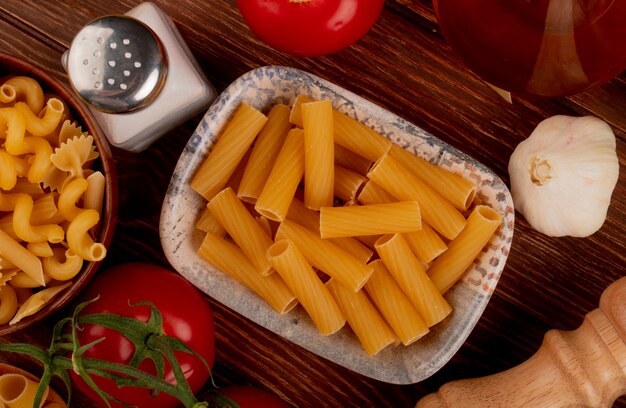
538 47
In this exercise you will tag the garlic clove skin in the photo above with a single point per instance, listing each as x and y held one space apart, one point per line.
563 175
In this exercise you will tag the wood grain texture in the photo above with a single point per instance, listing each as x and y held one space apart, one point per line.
404 65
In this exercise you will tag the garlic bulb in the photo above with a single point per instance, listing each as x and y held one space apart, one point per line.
563 175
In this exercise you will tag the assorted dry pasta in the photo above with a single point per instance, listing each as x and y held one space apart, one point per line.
50 198
308 206
18 389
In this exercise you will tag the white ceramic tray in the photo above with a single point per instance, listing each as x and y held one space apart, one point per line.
264 87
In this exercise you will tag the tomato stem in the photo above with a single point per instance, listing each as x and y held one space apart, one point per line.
66 353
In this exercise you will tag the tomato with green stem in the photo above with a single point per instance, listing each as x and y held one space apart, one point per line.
186 315
310 27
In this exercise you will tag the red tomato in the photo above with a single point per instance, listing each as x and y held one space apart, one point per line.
186 315
310 27
251 397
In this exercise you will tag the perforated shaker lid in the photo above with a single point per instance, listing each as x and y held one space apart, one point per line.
117 64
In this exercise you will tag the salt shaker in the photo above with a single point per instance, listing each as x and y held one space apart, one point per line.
137 75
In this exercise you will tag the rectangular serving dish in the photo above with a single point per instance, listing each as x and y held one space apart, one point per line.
264 87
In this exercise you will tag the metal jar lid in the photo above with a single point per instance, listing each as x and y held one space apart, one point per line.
116 64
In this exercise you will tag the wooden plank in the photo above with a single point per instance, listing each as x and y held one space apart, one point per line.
404 65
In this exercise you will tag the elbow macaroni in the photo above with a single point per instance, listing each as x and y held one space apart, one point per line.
62 264
33 233
29 89
78 237
69 196
8 171
15 130
7 93
41 164
44 160
48 123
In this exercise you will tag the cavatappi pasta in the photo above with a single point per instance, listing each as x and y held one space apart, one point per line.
50 199
350 241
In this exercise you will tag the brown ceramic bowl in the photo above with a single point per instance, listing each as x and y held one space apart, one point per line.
11 66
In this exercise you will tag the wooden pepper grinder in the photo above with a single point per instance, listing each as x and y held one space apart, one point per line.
585 367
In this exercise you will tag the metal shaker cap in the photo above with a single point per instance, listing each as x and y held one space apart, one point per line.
116 64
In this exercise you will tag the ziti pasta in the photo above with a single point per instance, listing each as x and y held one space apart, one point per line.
50 199
358 229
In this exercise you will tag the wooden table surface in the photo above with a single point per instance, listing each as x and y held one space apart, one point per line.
404 65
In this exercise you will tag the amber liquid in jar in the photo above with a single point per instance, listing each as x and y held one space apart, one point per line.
538 47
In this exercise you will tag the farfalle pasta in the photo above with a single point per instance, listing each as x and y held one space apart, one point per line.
50 199
68 131
72 155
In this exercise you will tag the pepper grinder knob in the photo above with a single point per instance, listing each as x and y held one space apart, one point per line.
584 367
